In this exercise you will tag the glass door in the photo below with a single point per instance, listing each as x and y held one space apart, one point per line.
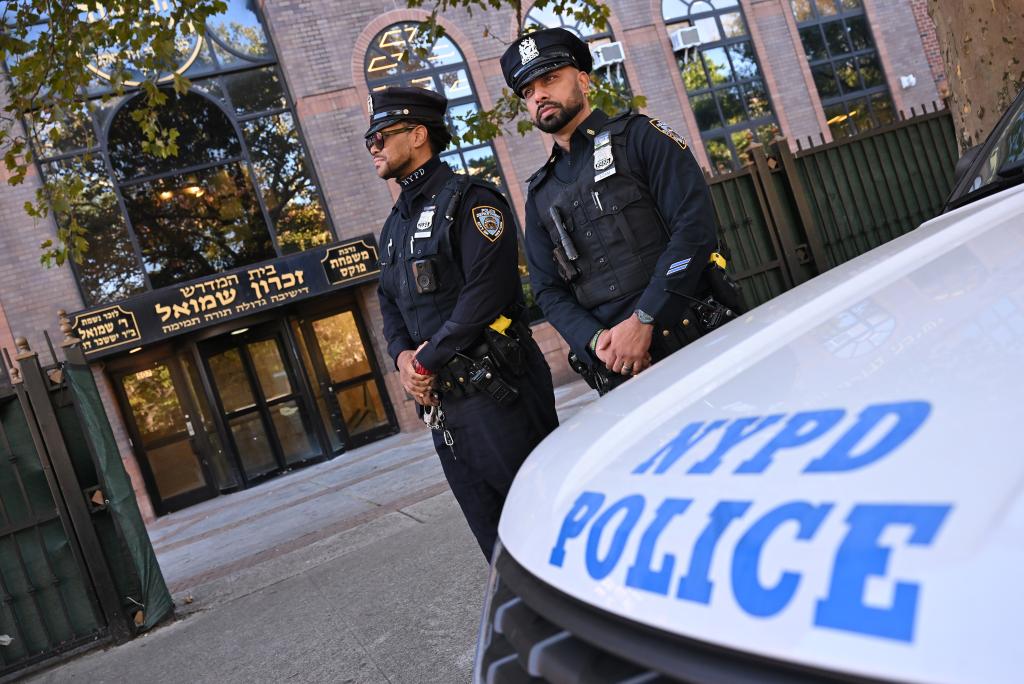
258 396
163 431
351 395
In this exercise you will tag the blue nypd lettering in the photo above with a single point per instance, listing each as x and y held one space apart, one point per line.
634 536
857 447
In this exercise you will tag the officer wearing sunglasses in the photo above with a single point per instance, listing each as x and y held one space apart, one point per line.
451 302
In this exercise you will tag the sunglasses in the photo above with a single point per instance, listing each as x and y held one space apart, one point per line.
380 137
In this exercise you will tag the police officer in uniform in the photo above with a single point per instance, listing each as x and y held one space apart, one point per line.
451 300
620 228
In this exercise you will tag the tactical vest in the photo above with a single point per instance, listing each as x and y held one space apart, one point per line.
614 223
422 243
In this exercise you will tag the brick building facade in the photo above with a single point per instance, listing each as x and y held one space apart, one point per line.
321 53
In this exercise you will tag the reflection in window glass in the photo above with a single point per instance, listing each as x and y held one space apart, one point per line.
844 62
252 445
240 29
723 79
255 90
341 346
154 404
362 408
205 136
109 270
291 197
207 121
232 381
296 440
66 132
269 369
197 224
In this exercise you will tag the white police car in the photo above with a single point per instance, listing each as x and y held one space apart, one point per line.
830 488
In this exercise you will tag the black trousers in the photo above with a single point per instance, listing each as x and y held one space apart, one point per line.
492 441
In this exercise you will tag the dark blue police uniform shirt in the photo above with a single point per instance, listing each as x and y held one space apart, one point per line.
683 200
490 268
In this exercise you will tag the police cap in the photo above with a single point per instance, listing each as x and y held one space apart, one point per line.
542 51
398 103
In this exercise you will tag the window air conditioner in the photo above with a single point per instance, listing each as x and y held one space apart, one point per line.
609 53
685 38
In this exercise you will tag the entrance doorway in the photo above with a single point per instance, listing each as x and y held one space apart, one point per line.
220 414
163 424
336 350
259 396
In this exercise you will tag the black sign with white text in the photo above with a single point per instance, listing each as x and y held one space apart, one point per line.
157 315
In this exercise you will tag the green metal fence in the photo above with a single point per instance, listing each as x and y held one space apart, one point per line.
76 567
786 217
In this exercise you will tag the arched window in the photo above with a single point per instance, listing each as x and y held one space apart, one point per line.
239 191
844 61
399 56
608 61
722 76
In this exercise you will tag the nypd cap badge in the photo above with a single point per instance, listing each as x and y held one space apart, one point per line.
664 128
489 222
528 51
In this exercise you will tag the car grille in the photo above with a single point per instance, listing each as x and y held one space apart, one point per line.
534 633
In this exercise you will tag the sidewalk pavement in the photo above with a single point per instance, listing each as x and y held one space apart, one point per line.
357 570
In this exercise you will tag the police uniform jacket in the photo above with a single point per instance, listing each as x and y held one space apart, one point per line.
474 260
637 230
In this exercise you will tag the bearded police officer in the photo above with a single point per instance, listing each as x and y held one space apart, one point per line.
619 223
451 299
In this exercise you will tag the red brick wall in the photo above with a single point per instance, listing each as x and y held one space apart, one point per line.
930 41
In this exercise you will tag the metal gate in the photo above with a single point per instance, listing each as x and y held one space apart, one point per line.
61 587
788 216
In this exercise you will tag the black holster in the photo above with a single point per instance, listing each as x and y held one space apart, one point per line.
596 375
488 366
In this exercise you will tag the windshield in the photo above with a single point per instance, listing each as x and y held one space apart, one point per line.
1000 161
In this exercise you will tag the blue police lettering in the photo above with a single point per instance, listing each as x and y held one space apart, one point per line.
642 575
801 429
586 507
857 558
860 556
750 594
848 452
598 567
740 430
909 416
687 438
695 585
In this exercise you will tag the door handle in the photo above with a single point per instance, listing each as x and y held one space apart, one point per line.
191 430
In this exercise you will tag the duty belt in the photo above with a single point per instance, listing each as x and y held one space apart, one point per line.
487 367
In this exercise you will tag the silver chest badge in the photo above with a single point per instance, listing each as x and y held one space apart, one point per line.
604 161
369 105
425 223
528 51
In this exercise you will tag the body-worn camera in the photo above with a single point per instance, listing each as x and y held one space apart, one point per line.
424 275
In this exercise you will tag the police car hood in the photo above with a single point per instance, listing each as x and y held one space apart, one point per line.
833 480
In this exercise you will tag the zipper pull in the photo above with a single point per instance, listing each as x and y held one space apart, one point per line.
449 441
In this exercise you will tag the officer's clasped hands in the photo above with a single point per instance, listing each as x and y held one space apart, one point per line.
624 348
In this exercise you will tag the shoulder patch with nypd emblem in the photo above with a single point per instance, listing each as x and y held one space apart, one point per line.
489 222
663 127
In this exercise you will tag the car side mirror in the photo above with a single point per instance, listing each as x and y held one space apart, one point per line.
964 164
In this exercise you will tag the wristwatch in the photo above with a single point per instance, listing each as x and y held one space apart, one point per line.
644 317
